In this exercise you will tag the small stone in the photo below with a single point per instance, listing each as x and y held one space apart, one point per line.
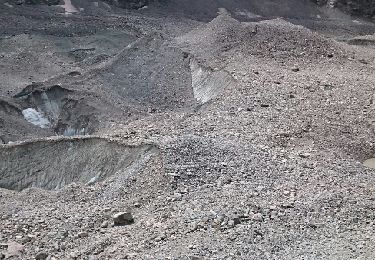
231 223
219 219
305 155
131 256
191 246
193 226
273 215
62 246
104 224
295 69
257 217
123 218
83 234
73 255
185 55
160 238
63 234
41 256
237 221
26 239
177 196
151 110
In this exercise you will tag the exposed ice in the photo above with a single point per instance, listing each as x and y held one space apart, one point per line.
69 7
70 131
36 118
206 83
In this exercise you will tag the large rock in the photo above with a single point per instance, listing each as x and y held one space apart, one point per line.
123 218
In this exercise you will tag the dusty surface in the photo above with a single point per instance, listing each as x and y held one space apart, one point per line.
229 130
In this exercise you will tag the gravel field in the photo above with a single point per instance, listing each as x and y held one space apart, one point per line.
187 130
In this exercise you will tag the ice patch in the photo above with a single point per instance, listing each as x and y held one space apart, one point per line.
248 14
69 8
69 131
8 5
206 83
36 118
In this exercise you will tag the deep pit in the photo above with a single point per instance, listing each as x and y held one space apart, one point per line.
54 164
57 108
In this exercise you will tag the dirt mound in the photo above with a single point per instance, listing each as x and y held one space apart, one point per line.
148 74
242 9
275 39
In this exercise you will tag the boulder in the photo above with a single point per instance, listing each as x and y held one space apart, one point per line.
122 219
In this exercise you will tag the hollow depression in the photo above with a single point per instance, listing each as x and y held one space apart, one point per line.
53 164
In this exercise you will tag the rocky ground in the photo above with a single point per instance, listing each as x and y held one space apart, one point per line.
186 130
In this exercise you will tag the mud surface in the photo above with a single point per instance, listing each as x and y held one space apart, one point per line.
229 130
